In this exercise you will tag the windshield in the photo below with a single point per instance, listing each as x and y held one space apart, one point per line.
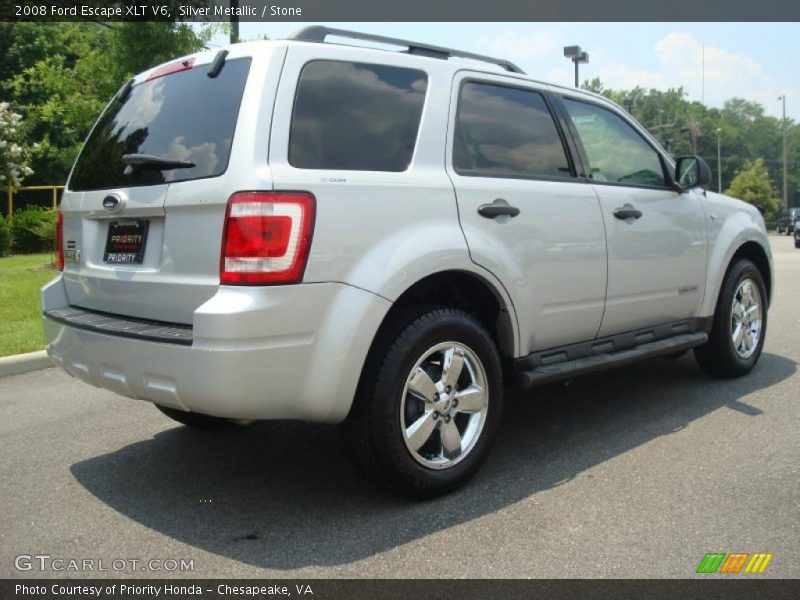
185 116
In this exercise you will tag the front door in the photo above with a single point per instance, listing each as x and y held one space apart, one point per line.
656 236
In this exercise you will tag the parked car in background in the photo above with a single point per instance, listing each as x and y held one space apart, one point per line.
797 237
294 229
788 220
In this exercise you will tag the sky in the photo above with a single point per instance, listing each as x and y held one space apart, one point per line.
755 61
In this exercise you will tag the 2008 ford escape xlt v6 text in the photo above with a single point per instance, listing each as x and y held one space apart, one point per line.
296 229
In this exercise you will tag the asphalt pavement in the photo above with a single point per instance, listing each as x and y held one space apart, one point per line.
633 473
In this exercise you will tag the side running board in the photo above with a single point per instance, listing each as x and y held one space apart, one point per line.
545 374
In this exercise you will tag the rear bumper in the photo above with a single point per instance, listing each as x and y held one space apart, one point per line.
284 352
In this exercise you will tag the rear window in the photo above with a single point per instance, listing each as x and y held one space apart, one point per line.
356 116
185 116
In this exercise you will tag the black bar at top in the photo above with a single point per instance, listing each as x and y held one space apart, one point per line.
318 11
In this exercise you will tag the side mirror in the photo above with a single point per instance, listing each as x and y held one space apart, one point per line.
691 172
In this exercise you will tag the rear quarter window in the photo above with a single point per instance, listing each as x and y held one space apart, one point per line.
356 116
185 116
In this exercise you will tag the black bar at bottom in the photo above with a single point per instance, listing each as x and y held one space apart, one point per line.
703 587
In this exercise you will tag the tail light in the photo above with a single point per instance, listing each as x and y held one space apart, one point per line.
60 241
266 238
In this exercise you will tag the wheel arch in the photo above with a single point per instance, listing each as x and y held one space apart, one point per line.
737 238
754 252
465 290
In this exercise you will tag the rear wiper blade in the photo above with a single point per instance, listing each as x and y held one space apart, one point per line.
147 161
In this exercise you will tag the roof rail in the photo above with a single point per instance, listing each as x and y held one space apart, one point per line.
318 34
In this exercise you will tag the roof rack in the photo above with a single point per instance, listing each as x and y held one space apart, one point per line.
318 34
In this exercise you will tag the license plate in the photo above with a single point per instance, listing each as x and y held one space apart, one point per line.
126 241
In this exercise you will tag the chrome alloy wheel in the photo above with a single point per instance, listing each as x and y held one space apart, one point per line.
444 405
746 318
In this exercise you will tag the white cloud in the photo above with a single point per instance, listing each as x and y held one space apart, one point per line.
682 59
203 155
678 61
150 99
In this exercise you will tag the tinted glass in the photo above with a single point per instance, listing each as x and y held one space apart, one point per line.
184 116
506 132
356 116
615 149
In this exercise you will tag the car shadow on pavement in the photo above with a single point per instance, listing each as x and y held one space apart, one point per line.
284 495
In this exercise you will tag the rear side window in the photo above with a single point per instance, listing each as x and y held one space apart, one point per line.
185 116
356 116
506 132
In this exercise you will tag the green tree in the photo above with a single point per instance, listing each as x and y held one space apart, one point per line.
593 85
745 133
753 184
138 46
59 76
58 80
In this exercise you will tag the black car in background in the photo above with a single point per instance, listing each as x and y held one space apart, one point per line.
787 220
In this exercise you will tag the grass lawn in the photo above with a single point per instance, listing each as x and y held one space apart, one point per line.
20 315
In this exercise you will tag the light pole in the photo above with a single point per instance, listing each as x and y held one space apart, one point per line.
234 4
719 162
577 56
785 180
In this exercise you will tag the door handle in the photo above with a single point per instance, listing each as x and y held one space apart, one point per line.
627 212
498 208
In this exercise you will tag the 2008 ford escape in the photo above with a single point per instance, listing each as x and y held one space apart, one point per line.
301 230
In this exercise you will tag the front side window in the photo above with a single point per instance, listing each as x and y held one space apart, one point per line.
356 116
616 151
506 132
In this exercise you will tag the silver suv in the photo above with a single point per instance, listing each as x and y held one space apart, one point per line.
296 229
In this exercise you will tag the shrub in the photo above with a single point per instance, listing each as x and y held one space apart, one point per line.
33 230
5 236
15 153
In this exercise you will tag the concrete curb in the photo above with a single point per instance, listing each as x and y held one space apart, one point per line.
24 363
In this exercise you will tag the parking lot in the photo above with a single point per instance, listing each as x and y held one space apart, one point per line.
634 473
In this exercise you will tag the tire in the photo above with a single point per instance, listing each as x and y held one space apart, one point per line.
192 419
722 356
405 431
796 243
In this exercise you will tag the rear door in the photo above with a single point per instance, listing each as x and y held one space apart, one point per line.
362 130
144 239
505 152
656 236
